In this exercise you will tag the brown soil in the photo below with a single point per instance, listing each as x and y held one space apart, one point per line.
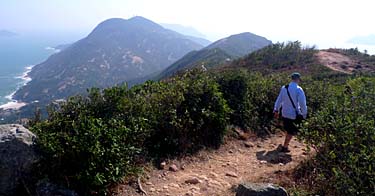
337 61
217 172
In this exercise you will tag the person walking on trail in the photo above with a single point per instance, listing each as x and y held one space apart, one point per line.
292 102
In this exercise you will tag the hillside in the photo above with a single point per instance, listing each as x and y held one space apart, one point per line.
217 53
292 56
240 44
347 61
205 58
281 58
117 50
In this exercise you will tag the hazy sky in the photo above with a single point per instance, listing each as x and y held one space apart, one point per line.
322 22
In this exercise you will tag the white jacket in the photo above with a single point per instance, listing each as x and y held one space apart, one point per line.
299 99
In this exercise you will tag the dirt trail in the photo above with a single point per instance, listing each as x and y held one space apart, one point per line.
336 61
216 172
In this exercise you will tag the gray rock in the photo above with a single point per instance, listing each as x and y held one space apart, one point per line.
49 189
17 156
260 189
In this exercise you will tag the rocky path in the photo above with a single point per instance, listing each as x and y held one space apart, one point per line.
217 172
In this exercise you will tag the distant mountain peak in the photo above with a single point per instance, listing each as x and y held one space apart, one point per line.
116 51
238 45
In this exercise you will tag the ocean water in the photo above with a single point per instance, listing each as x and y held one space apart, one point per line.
19 53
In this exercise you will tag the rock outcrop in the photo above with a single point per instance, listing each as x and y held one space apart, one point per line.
260 189
17 156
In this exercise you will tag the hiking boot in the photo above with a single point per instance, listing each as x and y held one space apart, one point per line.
281 148
284 149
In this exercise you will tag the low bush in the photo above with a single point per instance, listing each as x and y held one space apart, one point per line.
343 132
251 97
91 142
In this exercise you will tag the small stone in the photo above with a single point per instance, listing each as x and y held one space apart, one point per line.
163 165
195 189
173 168
248 144
213 175
230 151
174 185
281 164
152 190
193 180
165 187
148 183
246 189
203 177
231 174
304 153
263 162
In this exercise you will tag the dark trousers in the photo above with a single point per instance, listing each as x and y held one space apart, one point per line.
290 126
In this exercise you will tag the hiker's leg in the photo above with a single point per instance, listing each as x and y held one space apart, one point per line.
288 137
291 130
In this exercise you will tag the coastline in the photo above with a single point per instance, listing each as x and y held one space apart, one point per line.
15 104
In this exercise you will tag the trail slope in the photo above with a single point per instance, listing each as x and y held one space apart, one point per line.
216 172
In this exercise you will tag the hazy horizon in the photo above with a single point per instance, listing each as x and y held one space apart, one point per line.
322 23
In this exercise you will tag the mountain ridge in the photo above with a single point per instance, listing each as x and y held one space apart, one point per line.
117 50
221 51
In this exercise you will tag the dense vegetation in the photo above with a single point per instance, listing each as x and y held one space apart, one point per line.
343 133
88 143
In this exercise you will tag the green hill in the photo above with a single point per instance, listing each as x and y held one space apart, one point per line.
218 53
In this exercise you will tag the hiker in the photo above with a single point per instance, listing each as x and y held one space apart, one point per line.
292 102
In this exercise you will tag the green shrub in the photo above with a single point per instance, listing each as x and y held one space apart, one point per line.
343 131
251 97
186 114
91 142
84 151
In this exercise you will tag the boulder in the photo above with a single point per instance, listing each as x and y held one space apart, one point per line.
17 156
260 189
49 189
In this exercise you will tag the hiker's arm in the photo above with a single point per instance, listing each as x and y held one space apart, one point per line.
278 102
301 98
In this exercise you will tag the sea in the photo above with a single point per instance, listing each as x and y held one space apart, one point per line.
18 54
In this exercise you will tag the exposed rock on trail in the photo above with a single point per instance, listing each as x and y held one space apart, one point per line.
258 189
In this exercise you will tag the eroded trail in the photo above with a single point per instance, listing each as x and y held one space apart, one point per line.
336 61
216 172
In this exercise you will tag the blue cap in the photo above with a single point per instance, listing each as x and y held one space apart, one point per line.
295 75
